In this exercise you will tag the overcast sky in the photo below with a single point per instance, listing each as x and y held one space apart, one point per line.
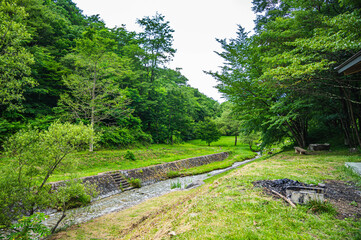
197 23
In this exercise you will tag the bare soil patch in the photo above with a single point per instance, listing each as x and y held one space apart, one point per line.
344 196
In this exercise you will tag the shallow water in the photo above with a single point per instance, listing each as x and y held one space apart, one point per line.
126 199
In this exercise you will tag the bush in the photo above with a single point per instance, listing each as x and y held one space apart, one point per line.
29 227
137 183
33 157
129 155
74 194
115 137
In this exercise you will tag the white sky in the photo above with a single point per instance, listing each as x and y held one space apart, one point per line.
197 23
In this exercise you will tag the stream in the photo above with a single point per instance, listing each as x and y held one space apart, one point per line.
126 199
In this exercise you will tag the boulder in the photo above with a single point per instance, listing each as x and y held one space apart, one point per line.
195 184
319 147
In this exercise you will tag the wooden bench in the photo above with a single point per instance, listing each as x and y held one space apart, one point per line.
300 150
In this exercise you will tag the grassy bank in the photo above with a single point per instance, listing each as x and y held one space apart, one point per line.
87 163
230 207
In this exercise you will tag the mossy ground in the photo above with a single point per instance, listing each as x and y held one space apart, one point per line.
230 207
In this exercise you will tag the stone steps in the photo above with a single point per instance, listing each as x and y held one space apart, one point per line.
121 181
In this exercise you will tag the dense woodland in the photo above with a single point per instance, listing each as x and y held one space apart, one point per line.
57 64
282 79
68 81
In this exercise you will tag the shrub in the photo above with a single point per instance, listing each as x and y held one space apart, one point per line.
129 155
114 137
29 227
135 182
74 194
34 155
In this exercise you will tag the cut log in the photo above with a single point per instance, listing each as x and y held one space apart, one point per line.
284 198
300 150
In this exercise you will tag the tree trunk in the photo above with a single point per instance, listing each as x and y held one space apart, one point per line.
91 145
352 117
235 140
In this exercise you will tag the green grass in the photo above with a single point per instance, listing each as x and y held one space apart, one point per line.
237 153
82 164
230 207
91 163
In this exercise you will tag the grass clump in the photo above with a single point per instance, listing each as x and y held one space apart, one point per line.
129 156
321 207
135 182
173 174
174 185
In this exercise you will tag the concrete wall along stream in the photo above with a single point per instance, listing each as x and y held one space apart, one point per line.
109 182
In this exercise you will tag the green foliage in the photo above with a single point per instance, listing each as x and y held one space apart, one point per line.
95 93
129 156
74 194
282 78
174 185
135 182
208 131
58 63
29 228
114 137
15 59
173 174
33 157
156 41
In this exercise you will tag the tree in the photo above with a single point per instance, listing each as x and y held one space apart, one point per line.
94 85
227 123
34 156
15 60
156 40
278 77
208 131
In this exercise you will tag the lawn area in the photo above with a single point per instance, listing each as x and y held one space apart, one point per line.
230 207
87 163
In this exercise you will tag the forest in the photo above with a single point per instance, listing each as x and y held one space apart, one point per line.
60 65
282 79
67 82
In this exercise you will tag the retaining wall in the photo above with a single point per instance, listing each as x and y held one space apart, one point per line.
152 174
106 185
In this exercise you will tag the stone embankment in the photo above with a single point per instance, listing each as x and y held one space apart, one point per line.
115 181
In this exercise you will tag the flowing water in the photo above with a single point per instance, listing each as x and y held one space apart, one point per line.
126 199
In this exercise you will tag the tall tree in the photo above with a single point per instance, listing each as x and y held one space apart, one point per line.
15 60
156 40
94 84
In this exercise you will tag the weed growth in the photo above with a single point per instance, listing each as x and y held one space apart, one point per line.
321 207
174 185
129 156
135 182
173 174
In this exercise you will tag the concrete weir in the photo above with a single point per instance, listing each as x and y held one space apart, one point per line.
355 166
106 183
